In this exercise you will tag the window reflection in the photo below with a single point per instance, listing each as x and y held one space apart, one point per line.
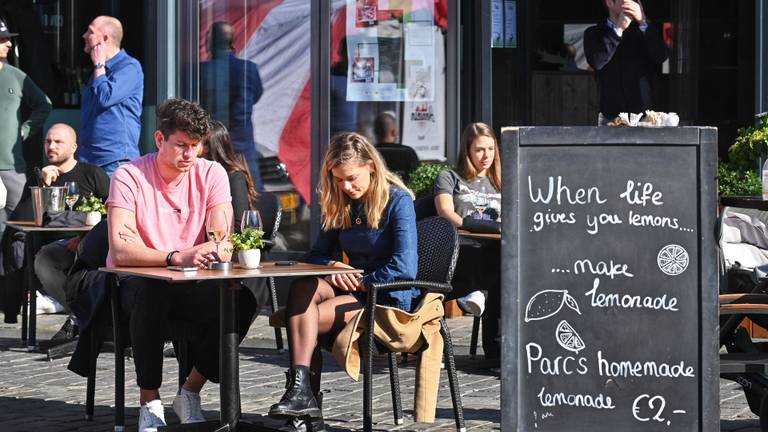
254 78
388 63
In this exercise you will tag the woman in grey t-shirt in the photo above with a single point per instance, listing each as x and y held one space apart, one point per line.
474 190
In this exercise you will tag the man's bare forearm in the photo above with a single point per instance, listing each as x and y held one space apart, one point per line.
138 255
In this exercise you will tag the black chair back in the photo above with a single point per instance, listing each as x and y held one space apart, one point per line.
402 160
271 212
93 247
425 206
438 249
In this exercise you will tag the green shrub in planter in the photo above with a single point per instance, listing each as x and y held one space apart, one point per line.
251 238
423 178
750 145
736 181
92 203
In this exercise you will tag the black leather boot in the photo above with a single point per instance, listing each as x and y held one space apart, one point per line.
298 400
297 424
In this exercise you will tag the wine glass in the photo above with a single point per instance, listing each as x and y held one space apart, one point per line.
72 194
217 227
251 219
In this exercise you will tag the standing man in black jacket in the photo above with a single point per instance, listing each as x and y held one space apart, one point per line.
624 51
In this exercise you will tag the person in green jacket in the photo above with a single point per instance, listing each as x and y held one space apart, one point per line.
16 89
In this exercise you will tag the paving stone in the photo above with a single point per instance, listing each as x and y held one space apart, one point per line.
43 396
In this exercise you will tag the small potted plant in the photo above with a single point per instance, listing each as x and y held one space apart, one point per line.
248 245
93 208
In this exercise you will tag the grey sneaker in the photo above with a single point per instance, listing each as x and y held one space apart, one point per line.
186 405
151 416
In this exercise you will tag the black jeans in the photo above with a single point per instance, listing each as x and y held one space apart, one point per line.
479 269
149 304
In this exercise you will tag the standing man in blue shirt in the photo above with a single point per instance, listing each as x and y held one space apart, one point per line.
111 108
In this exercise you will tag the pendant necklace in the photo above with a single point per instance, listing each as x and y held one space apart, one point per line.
358 219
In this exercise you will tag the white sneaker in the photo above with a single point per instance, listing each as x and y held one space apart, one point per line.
473 303
186 405
151 416
47 305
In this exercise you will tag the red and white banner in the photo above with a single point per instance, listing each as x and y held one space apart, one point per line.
275 34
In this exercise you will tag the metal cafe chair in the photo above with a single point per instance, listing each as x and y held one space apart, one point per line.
438 251
108 324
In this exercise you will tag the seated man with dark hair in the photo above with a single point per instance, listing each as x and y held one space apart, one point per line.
158 208
399 158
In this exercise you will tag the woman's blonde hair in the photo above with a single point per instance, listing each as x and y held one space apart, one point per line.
353 148
466 170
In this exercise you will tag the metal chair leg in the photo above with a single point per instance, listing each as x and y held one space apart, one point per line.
394 383
473 340
119 359
275 306
453 380
368 365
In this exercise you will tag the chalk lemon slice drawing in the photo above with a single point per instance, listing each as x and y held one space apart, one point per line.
672 259
547 303
568 338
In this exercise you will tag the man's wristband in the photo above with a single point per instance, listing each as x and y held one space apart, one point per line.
169 256
99 66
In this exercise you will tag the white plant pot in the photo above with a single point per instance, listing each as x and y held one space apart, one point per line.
92 218
250 258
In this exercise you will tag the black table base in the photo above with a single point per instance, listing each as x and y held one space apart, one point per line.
230 380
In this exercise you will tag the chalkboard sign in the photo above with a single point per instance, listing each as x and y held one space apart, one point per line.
609 279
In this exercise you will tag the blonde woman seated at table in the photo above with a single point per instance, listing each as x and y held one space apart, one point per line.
368 214
475 192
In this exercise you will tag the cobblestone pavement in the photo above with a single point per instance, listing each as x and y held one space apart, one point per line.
43 396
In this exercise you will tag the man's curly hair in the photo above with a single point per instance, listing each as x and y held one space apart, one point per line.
180 115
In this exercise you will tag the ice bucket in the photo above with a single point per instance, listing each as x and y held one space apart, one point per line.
45 199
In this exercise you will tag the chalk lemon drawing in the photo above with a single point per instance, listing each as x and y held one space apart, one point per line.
672 259
568 338
547 303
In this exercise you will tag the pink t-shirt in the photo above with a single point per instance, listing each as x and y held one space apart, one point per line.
168 217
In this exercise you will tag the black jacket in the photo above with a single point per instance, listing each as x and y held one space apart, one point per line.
624 66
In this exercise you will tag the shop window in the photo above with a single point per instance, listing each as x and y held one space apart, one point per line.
388 63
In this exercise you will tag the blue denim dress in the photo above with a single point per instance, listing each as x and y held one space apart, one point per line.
385 254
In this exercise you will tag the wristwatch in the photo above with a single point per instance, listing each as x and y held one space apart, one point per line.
99 66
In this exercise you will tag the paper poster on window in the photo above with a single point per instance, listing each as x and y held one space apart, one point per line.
390 44
510 23
424 121
366 12
497 23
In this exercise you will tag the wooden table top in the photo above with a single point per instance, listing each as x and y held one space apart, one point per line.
465 233
267 269
29 226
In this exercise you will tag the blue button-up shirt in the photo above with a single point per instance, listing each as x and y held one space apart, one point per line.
386 254
110 116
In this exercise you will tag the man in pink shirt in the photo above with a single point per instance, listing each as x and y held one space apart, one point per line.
158 207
